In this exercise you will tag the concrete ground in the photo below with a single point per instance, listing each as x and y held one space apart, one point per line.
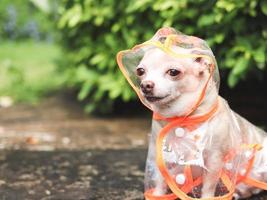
53 151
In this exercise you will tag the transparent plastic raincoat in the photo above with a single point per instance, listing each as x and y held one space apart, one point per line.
181 148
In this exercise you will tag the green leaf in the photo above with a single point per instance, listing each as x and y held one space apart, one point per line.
99 20
115 28
137 5
115 92
264 6
240 66
90 107
75 16
232 80
83 74
206 20
230 62
219 38
44 5
97 59
86 88
225 4
164 5
259 56
128 94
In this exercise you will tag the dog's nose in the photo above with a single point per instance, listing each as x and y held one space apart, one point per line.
147 86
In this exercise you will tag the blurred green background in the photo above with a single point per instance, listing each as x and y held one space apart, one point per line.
49 46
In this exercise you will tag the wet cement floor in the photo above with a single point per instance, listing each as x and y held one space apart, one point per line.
53 151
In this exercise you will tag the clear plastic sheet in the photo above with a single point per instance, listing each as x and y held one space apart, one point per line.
206 150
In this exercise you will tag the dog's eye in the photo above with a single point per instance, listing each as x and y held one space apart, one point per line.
174 72
140 71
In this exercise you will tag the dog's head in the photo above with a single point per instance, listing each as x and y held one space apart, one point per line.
170 80
171 84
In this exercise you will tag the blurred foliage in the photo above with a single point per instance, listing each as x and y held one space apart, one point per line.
28 70
94 31
28 30
20 19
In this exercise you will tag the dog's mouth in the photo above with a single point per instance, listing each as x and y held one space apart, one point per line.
155 98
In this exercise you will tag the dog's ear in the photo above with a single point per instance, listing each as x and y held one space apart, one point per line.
202 62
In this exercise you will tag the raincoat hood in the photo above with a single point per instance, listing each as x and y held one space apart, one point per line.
168 40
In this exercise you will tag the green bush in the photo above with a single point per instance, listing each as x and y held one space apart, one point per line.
94 31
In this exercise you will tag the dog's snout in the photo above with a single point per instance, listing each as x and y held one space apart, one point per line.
147 86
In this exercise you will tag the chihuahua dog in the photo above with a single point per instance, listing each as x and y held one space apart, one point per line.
170 86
